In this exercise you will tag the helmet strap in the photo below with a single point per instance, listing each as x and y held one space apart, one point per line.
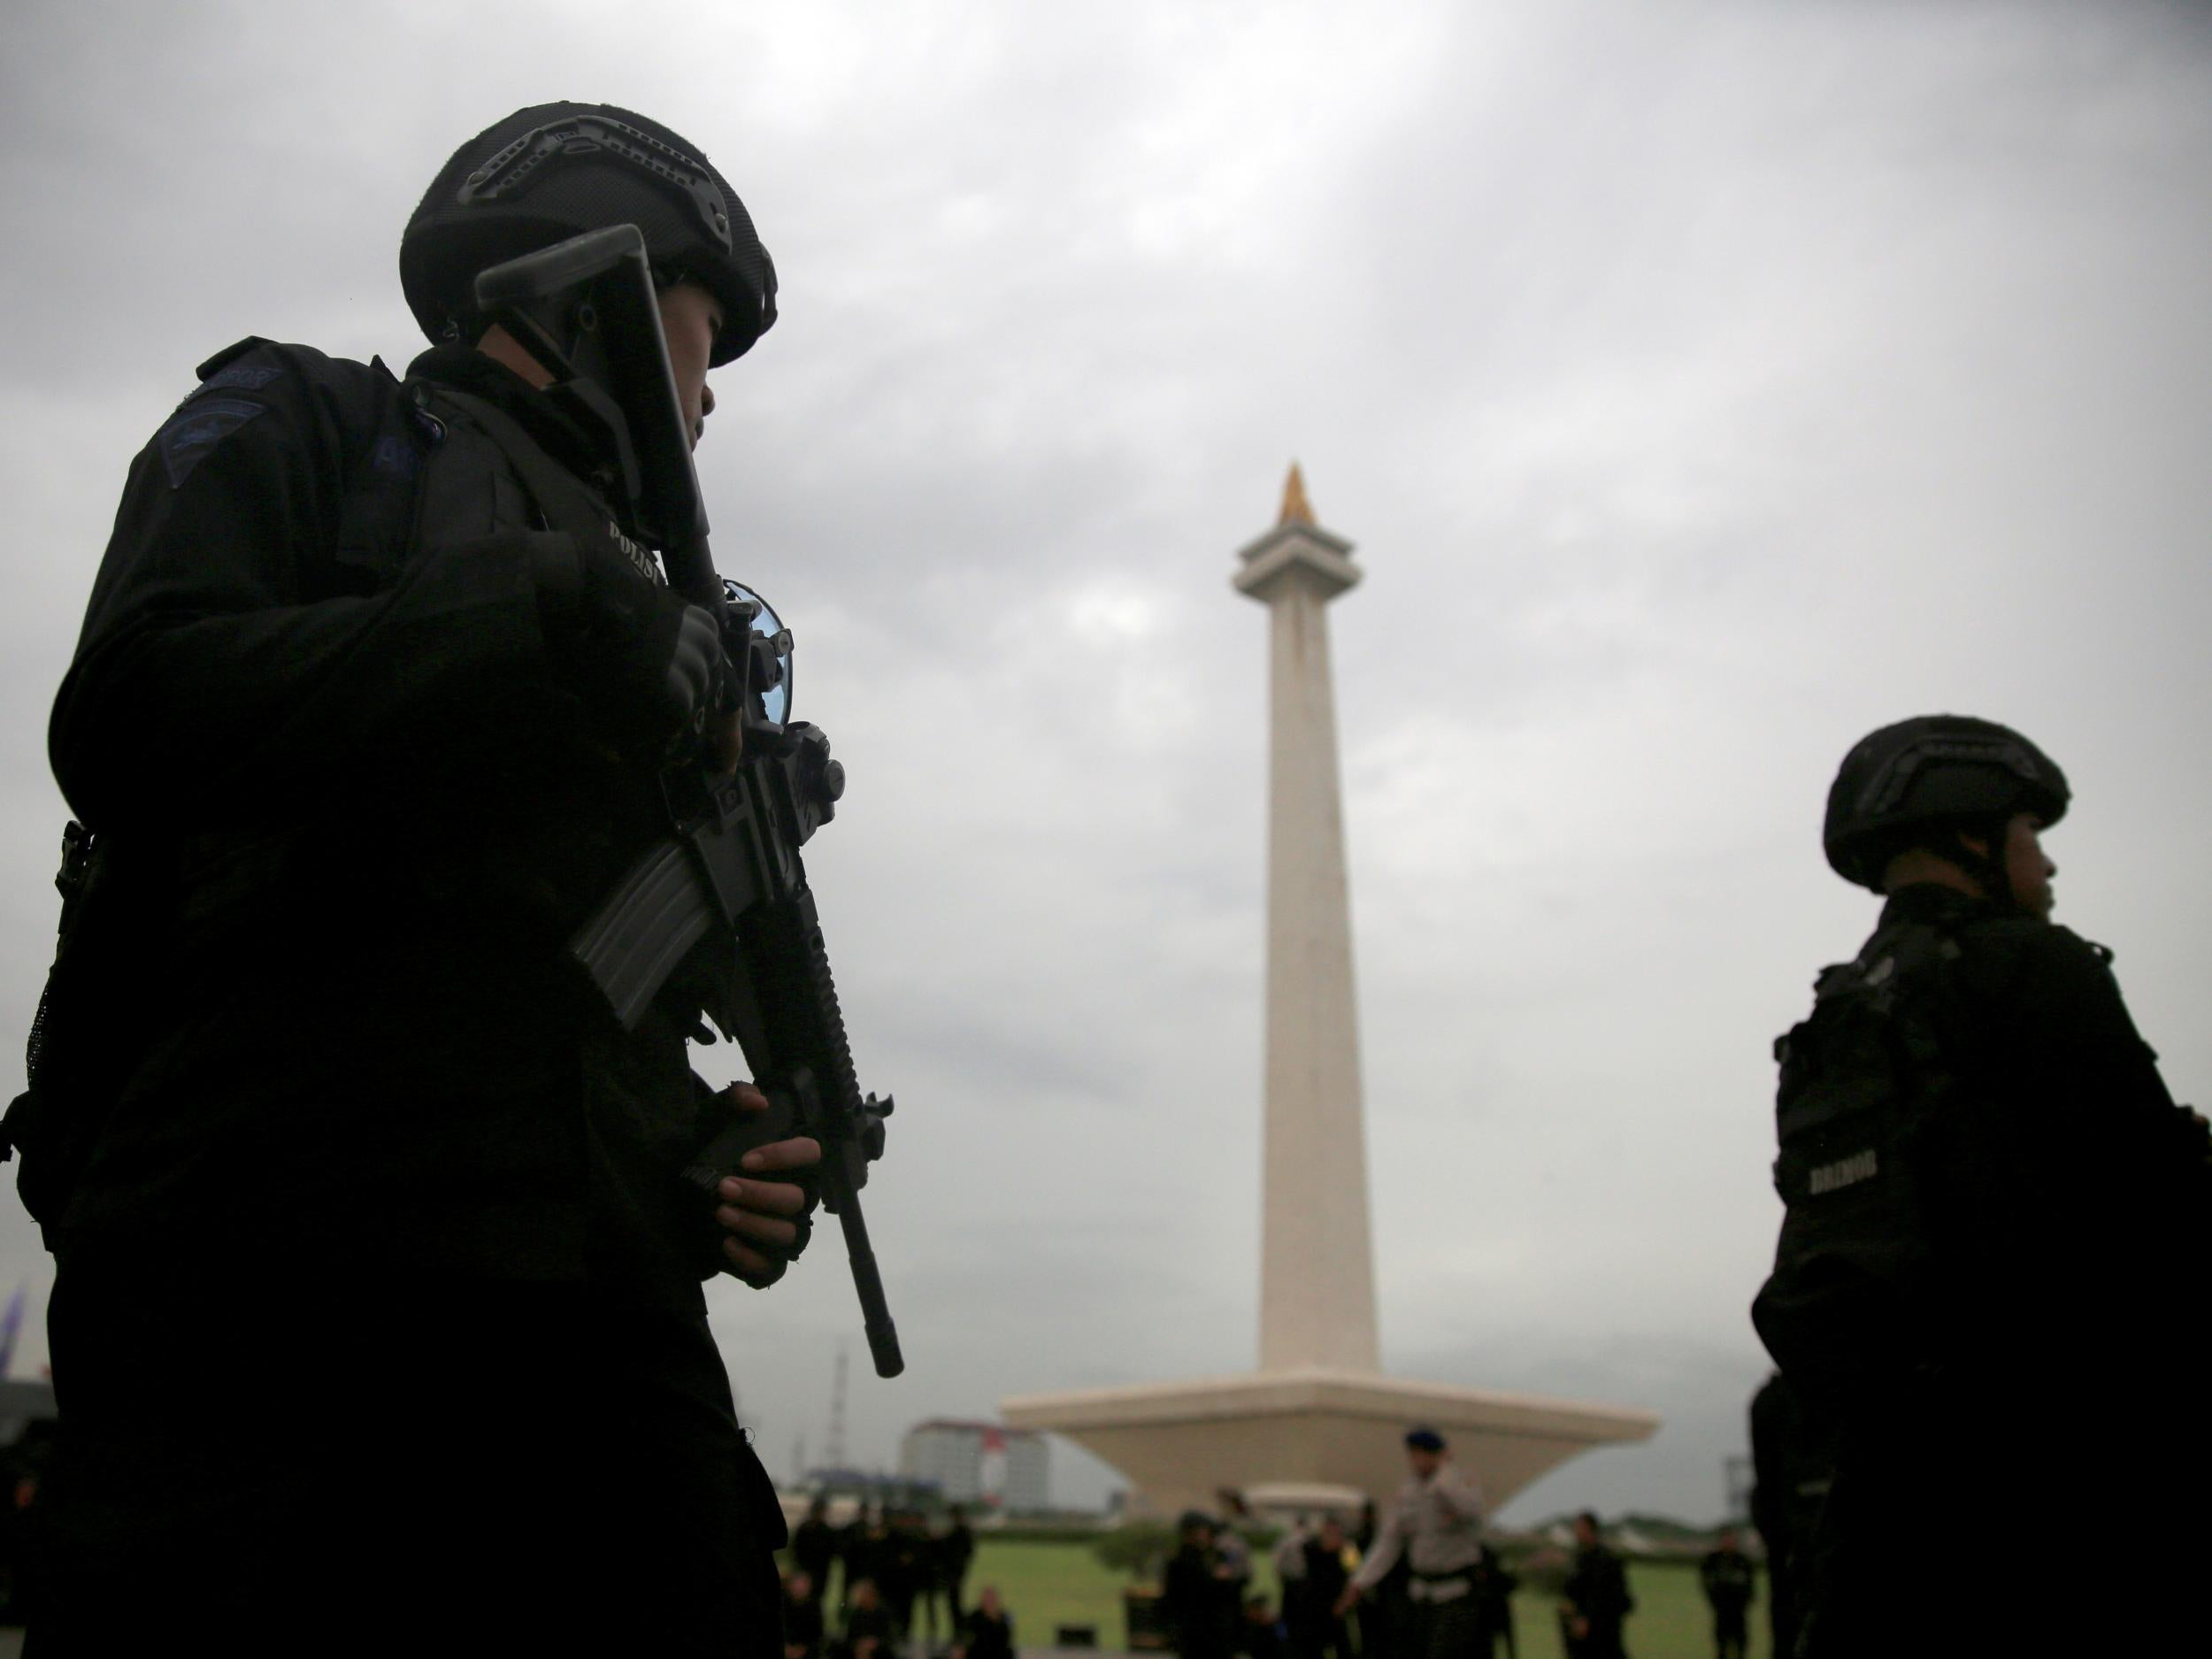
1990 869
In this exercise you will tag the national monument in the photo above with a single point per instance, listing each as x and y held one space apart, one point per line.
1318 1423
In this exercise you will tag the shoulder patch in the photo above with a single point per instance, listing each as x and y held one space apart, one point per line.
196 428
243 376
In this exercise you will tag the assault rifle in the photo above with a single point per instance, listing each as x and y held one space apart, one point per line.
585 308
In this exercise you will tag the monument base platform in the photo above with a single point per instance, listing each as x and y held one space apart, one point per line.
1315 1429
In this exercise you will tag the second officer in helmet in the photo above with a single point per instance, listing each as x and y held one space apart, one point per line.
1996 1236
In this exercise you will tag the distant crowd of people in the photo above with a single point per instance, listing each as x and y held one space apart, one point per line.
898 1580
1418 1581
1212 1612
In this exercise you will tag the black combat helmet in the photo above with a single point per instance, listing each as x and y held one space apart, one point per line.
1928 773
557 169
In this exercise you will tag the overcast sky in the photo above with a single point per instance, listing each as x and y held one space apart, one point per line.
1703 384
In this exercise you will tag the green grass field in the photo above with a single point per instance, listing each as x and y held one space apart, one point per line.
1046 1586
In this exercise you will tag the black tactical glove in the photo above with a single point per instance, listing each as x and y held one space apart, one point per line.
730 1134
779 1257
651 663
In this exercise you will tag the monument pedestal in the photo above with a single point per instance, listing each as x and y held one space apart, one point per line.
1312 1432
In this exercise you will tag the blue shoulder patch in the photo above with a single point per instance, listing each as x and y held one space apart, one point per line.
196 428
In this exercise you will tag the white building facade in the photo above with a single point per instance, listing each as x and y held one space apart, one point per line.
985 1464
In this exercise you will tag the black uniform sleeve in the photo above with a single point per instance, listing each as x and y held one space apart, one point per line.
2068 1010
2073 1038
2128 1163
224 673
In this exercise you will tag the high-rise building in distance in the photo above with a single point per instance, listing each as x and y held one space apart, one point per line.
984 1464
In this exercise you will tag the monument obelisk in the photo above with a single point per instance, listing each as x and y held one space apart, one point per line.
1317 1425
1317 1266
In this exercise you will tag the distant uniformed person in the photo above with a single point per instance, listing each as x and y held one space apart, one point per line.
1494 1585
1382 1617
814 1546
1993 1258
1793 1460
904 1566
1259 1631
866 1550
1597 1603
950 1552
1436 1522
1729 1581
987 1631
1194 1597
868 1631
803 1632
1324 1562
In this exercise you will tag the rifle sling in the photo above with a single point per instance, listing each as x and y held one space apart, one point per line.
562 499
667 903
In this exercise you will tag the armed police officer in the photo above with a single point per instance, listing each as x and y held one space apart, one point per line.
378 1294
1995 1238
1436 1523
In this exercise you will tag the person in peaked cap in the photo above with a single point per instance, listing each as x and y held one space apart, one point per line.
1436 1523
379 1299
1995 1230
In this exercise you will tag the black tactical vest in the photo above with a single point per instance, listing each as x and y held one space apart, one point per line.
1870 1119
425 465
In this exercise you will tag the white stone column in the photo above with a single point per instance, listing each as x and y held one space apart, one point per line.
1316 1264
1318 1414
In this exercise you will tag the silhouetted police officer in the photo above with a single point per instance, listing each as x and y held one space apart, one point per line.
1727 1576
1596 1594
1494 1584
1995 1228
803 1628
814 1545
950 1553
1197 1600
379 1290
1794 1461
1317 1630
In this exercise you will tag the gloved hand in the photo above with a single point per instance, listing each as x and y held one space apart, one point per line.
764 1208
651 663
